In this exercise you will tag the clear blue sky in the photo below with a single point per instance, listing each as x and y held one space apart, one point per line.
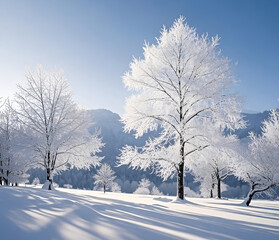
94 41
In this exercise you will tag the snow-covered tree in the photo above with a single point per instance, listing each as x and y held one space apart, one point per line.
105 177
1 160
260 167
155 191
36 181
216 162
13 161
57 130
190 193
181 81
115 187
143 187
208 184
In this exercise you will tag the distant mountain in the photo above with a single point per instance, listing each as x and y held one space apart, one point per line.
253 123
112 134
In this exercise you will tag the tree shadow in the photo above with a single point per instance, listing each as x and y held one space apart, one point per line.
41 214
255 211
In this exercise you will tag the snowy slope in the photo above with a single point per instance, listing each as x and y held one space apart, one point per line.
32 213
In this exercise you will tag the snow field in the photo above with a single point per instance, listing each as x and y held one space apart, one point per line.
33 213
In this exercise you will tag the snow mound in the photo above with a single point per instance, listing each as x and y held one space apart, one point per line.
46 186
178 200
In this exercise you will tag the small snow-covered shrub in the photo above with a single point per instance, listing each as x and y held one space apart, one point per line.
36 181
146 187
190 193
143 187
155 191
115 187
141 190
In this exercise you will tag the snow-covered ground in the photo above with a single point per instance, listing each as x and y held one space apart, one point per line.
33 213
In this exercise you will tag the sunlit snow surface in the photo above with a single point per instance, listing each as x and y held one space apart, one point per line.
33 213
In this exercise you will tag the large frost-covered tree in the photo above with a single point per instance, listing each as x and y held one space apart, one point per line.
57 130
260 167
181 81
105 177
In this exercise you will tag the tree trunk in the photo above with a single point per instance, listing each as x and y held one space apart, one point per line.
1 171
104 188
252 192
249 197
219 187
211 191
49 178
180 181
180 174
8 173
6 181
